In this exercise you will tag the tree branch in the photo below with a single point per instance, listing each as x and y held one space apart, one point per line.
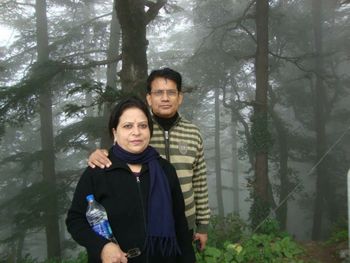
237 22
16 3
91 64
153 9
62 39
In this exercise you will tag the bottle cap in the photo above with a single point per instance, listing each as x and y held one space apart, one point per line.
90 198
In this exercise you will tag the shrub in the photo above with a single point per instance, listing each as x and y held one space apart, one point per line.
222 229
269 245
339 233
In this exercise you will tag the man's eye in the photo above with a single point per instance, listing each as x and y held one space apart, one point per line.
172 92
158 93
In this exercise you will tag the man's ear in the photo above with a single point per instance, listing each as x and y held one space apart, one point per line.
149 100
181 97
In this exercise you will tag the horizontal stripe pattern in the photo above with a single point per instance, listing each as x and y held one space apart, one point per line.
187 156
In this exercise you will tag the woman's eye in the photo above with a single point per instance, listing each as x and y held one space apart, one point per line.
143 126
127 126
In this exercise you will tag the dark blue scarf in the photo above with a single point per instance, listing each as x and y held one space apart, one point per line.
161 226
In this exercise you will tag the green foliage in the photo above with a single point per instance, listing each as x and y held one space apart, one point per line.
28 208
104 94
42 73
339 236
19 103
270 245
339 233
268 248
258 212
223 229
209 255
271 227
82 258
26 160
258 248
76 134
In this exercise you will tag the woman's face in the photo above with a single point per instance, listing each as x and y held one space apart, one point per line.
132 133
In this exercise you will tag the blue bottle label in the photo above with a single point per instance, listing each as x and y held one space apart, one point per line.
103 229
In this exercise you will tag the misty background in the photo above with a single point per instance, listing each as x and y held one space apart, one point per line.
267 82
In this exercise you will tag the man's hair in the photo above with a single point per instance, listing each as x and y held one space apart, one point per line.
166 73
124 104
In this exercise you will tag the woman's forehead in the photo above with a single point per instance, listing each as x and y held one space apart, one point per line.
133 115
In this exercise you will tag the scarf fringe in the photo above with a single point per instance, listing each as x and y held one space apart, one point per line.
167 246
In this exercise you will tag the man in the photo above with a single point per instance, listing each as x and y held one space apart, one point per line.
180 142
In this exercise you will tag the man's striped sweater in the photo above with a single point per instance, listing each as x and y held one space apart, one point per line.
182 145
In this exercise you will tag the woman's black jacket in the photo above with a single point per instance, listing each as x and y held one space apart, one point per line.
125 200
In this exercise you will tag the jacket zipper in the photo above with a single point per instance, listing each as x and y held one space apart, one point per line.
143 211
142 204
167 145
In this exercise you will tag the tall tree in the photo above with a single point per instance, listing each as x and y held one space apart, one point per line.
218 173
235 182
322 179
283 148
111 85
47 137
260 134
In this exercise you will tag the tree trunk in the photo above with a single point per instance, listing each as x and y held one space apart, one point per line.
235 165
260 208
132 19
47 141
283 170
218 156
320 123
19 247
113 52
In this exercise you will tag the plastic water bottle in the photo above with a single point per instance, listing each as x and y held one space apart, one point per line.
96 215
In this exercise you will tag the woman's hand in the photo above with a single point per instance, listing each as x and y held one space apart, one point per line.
112 253
99 158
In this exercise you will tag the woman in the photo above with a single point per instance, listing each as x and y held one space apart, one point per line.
141 194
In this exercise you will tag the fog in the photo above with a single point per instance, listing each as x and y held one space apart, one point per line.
64 63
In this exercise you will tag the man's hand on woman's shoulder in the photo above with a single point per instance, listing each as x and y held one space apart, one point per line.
99 158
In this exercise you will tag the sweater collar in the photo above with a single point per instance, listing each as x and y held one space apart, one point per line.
167 123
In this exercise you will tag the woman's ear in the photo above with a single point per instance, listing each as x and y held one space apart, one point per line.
114 135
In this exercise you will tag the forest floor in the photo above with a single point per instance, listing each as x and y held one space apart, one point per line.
322 253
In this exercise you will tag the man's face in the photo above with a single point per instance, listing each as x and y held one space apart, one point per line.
164 98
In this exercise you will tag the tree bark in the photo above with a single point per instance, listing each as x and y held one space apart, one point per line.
47 139
113 52
260 133
282 136
132 19
235 166
218 156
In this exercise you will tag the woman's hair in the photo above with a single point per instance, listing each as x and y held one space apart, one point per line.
124 104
